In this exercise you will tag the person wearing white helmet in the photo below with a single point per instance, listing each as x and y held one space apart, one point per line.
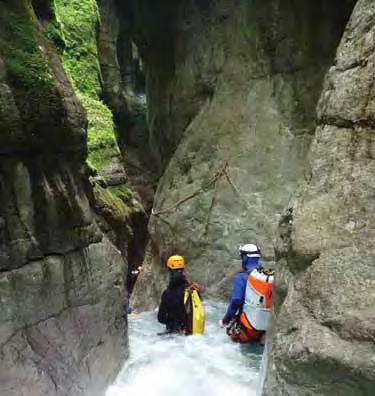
250 256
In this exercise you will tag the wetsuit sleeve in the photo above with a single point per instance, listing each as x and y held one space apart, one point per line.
163 309
237 297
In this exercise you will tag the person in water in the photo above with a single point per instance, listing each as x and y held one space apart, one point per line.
236 319
172 310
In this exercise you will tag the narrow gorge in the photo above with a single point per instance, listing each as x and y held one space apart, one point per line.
134 129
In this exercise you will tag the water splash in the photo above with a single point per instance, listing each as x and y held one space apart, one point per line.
263 370
184 366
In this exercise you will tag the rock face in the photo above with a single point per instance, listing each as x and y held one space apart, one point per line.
324 330
85 37
124 93
231 110
62 330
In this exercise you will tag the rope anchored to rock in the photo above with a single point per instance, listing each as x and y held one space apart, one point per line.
171 209
223 171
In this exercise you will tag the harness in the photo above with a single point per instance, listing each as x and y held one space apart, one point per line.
253 320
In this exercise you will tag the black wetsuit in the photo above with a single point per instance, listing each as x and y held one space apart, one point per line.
172 311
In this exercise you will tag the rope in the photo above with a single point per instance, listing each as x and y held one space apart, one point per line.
223 171
242 196
211 207
174 207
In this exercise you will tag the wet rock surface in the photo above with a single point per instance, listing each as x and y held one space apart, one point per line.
124 92
324 328
232 114
225 134
62 330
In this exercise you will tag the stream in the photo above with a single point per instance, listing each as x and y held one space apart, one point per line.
175 365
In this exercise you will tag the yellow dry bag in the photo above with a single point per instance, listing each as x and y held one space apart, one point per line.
195 312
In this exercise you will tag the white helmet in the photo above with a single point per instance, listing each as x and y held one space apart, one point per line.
250 250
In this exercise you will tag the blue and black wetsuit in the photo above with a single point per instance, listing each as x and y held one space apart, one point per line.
237 298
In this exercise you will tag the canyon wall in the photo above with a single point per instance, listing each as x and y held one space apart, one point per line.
324 327
232 88
62 326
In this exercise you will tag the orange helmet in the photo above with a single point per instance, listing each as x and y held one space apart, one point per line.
176 262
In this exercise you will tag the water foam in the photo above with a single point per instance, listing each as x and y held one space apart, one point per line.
184 366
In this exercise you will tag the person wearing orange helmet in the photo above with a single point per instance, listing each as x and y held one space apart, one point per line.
172 310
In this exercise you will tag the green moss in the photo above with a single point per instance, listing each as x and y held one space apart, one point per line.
128 196
78 20
122 192
105 197
76 26
54 33
23 56
102 143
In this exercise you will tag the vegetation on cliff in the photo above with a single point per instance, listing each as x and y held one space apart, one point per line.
76 24
23 57
74 31
23 62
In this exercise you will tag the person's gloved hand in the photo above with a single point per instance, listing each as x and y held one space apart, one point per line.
195 286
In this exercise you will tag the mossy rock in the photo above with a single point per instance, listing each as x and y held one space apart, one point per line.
127 194
106 200
50 115
76 27
78 21
102 143
25 61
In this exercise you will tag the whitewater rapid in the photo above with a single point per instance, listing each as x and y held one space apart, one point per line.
176 365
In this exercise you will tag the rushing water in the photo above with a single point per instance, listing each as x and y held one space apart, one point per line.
176 365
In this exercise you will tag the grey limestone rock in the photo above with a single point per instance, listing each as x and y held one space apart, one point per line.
324 324
231 120
62 325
